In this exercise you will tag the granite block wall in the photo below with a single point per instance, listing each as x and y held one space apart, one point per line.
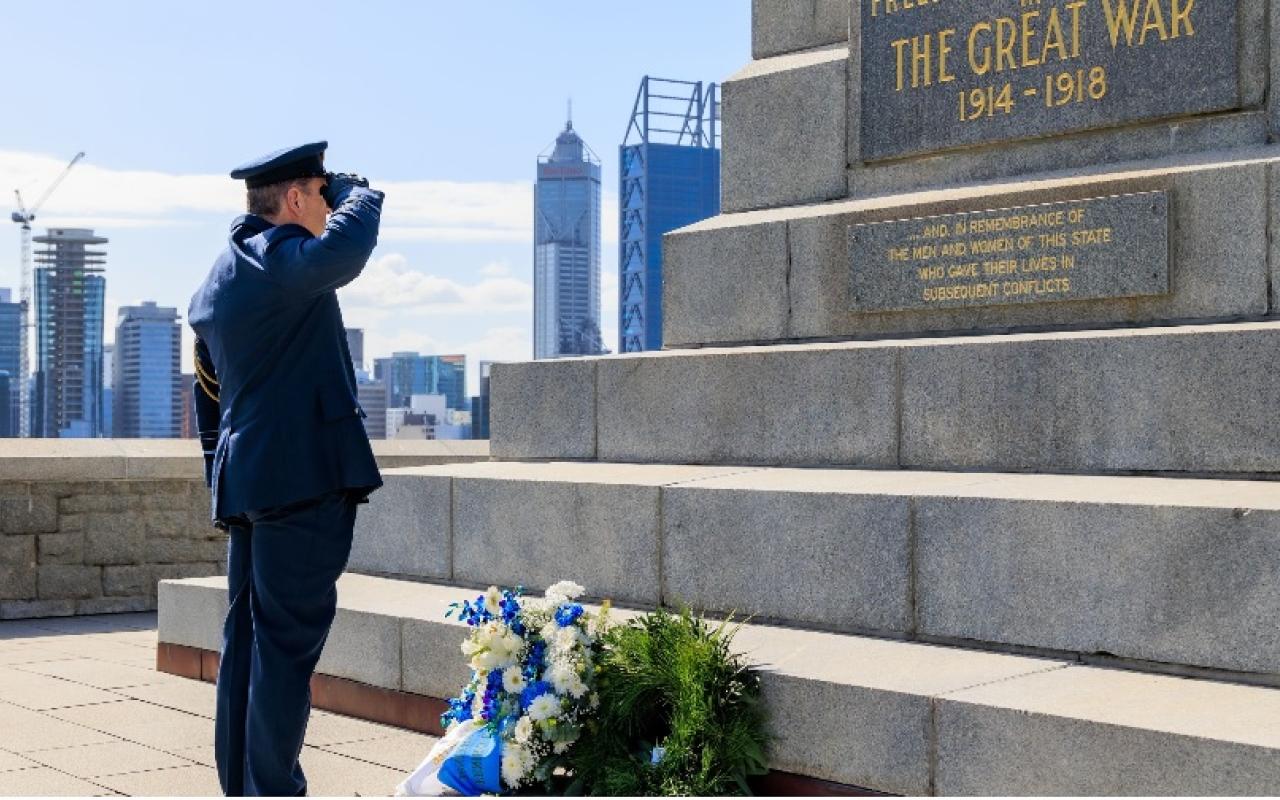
100 546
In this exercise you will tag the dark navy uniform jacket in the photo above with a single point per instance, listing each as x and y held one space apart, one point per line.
276 397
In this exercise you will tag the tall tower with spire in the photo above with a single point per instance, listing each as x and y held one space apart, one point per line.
566 249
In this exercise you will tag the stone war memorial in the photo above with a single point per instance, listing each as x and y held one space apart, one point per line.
969 402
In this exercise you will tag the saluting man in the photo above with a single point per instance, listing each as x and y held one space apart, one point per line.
286 454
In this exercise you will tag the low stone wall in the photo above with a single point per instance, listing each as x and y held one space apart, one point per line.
91 526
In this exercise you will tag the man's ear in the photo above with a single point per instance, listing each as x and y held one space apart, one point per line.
293 200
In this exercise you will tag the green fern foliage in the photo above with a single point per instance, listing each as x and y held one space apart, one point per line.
679 713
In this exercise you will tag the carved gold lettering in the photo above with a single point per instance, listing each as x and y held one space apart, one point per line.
900 48
1053 37
1028 33
1074 8
1152 20
1121 19
944 49
1005 43
1181 17
983 67
921 57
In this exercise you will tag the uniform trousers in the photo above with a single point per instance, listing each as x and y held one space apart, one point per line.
282 569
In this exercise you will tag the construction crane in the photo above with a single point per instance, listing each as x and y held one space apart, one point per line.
24 217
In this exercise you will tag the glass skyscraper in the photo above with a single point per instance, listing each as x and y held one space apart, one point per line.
480 405
355 344
147 384
407 374
108 392
69 296
10 363
670 177
566 250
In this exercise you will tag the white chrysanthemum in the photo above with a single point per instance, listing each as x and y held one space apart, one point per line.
562 675
513 680
493 601
516 762
511 643
489 631
563 591
544 707
577 688
561 747
548 633
565 639
488 661
469 647
524 729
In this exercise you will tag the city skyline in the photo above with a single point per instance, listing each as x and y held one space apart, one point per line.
452 273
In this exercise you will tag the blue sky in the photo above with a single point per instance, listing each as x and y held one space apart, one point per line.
446 104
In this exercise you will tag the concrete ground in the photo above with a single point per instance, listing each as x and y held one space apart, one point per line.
84 712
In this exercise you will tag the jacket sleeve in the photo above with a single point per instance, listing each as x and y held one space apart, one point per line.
307 266
208 412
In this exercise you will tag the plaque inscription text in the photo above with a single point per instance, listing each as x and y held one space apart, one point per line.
1116 246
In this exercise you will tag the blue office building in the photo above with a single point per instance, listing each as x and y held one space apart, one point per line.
108 392
10 364
8 399
70 293
566 250
669 178
147 374
480 405
407 374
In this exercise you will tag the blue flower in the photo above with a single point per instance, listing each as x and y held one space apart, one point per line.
536 656
568 614
459 710
510 606
532 692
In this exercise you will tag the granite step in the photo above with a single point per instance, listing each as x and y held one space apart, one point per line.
786 272
886 715
1159 572
1187 400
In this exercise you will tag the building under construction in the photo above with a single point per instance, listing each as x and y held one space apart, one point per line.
670 177
69 296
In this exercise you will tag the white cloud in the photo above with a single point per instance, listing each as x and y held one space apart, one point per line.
364 316
508 343
390 283
402 233
503 210
102 223
102 197
496 269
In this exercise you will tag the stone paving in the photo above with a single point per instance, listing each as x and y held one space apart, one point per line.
84 712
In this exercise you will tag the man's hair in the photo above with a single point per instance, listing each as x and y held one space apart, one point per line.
264 201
